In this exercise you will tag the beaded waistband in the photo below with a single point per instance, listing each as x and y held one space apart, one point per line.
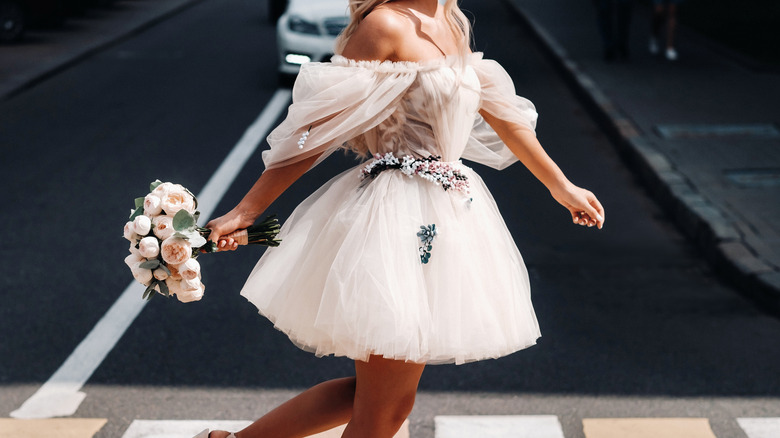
445 174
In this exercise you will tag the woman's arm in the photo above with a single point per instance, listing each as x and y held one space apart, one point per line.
585 209
269 186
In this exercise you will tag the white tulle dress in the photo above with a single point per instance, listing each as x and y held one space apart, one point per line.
360 270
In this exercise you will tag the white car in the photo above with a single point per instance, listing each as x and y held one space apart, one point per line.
307 30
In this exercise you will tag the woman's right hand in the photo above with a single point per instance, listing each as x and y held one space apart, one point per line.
223 225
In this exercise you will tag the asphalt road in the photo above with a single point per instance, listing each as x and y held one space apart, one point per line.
634 322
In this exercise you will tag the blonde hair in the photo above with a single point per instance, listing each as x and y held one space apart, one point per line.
359 9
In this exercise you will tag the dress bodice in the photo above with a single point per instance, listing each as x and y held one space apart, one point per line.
434 116
408 108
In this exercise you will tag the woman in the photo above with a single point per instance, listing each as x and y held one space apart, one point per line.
664 9
403 261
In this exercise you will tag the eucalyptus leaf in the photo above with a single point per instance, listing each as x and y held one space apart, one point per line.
165 269
150 264
138 212
197 240
154 185
183 220
164 289
139 202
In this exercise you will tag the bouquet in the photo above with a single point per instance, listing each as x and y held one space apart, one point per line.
165 241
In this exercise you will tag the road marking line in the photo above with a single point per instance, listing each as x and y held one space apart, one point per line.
188 428
647 428
61 395
498 426
60 428
760 427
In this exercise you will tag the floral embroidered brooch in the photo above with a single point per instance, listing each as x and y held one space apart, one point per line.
431 169
426 235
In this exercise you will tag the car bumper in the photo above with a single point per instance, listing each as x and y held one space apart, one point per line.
316 48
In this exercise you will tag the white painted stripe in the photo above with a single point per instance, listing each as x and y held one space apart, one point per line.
188 428
179 428
760 427
498 426
61 395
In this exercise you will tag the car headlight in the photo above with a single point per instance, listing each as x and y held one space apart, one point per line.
300 25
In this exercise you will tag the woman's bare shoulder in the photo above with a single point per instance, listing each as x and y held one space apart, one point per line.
378 36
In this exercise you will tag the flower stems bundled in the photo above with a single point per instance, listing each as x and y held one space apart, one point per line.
165 241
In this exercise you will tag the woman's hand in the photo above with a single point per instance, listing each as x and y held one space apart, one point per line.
585 209
232 221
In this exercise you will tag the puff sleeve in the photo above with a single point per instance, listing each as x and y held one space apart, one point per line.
500 100
339 101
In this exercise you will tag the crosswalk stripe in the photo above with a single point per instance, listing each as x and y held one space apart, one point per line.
497 426
760 427
188 428
58 427
647 428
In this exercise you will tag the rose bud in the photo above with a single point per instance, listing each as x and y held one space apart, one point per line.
160 274
149 247
143 276
129 232
142 225
190 270
152 205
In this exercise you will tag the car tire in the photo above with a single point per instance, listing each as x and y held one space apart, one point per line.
12 21
275 9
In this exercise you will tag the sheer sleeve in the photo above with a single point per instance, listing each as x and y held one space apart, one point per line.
335 102
500 100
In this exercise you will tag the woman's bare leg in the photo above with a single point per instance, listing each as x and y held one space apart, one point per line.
384 397
315 410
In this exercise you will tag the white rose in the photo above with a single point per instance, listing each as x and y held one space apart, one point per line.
142 225
175 250
133 260
163 226
152 205
190 270
162 189
160 274
175 199
149 247
130 232
143 276
134 250
185 296
193 284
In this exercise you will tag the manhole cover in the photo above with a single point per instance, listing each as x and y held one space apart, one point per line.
766 130
753 178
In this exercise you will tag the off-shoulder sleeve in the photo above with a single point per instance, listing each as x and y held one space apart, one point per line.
338 100
500 100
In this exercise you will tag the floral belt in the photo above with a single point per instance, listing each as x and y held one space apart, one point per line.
432 169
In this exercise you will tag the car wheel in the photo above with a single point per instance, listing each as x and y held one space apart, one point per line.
275 9
12 21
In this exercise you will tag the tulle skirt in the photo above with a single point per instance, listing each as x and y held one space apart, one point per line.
349 278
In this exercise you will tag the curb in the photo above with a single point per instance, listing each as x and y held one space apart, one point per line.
710 229
79 56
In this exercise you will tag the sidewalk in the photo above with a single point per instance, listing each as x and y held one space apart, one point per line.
44 53
701 133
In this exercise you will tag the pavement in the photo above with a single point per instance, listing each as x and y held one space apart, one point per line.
700 132
46 52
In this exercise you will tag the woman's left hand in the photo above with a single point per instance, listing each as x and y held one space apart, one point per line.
585 209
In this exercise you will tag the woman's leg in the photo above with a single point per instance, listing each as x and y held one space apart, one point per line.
315 410
384 397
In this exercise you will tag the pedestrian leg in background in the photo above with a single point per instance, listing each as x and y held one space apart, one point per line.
664 10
